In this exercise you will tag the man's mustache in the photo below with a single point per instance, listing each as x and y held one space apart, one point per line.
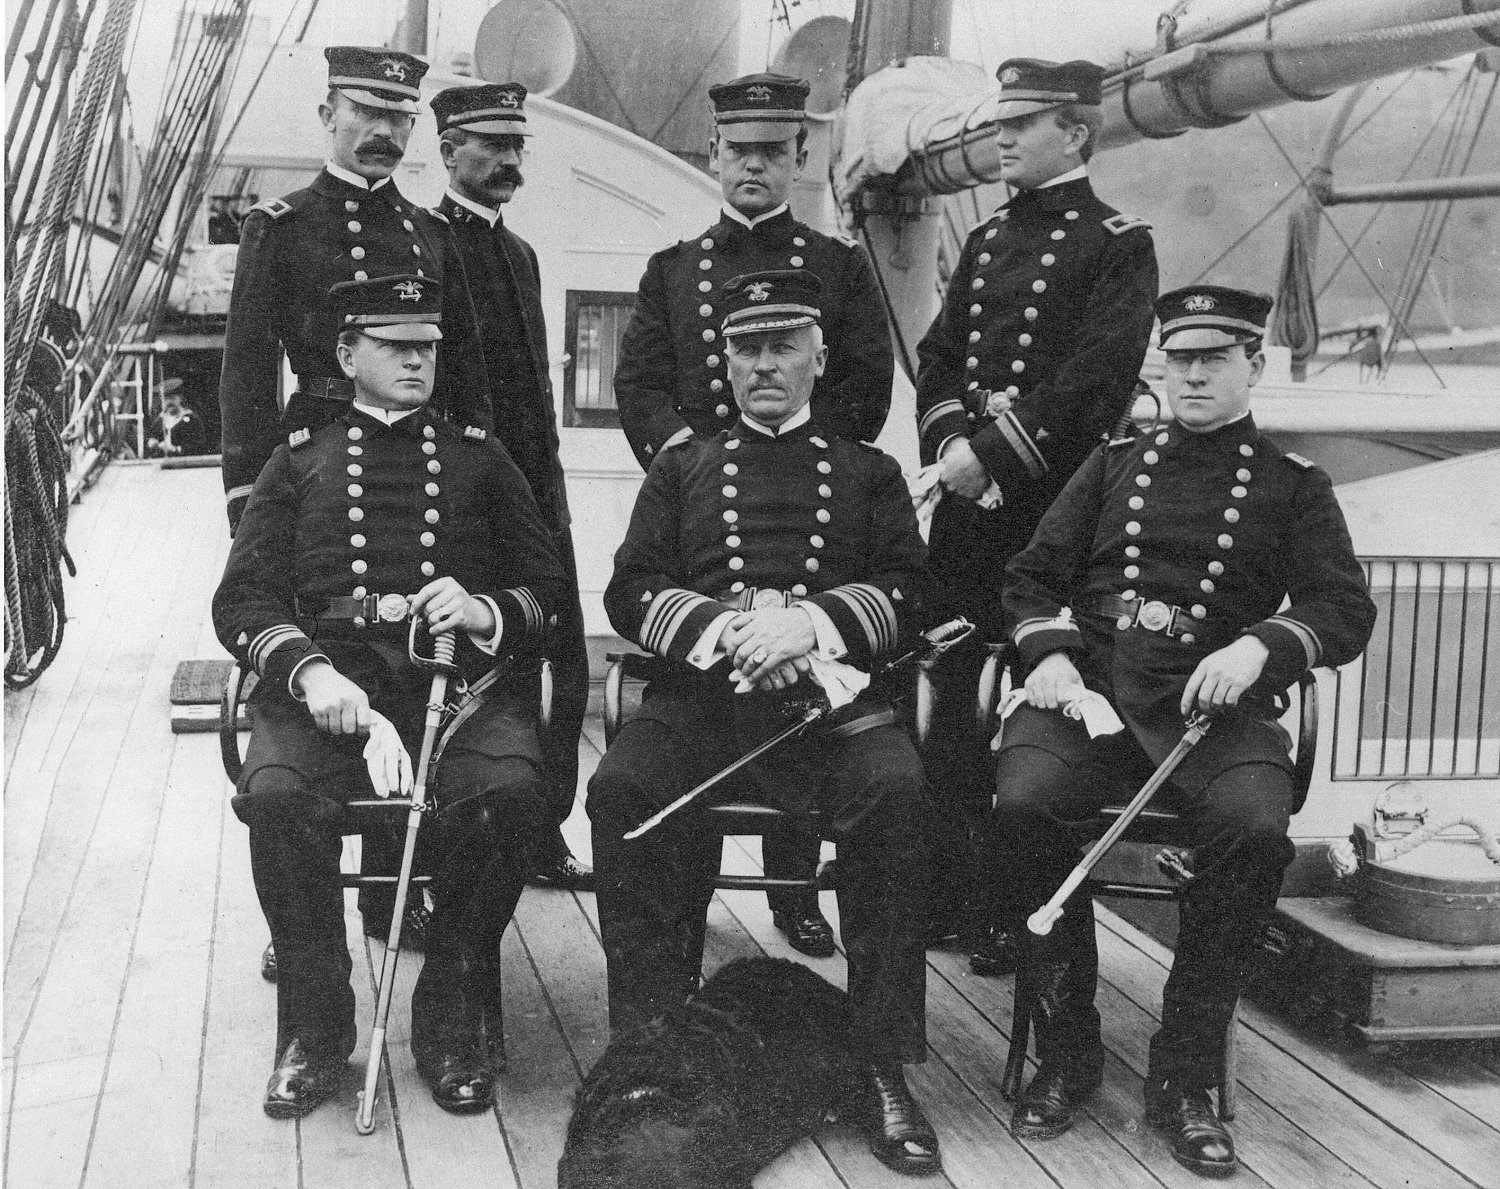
379 146
507 175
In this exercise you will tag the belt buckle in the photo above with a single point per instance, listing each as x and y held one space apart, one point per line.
768 598
392 608
1154 616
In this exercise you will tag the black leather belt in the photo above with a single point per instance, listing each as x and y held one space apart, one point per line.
1150 614
326 387
373 608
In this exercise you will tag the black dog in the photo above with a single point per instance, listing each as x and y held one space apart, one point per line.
706 1095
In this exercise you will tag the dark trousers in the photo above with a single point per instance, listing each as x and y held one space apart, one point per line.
478 846
654 892
568 652
1047 807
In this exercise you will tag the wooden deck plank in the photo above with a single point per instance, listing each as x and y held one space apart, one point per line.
1450 1070
43 821
237 1146
153 1057
79 940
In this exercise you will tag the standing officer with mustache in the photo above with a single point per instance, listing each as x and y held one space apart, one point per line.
482 136
350 224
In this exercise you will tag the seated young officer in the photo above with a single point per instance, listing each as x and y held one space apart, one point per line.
387 513
751 557
1157 580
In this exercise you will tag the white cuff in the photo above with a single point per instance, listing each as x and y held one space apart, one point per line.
706 652
291 678
831 644
681 435
945 443
491 645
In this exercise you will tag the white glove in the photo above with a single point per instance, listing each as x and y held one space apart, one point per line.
386 758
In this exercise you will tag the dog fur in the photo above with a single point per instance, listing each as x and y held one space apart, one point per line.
706 1095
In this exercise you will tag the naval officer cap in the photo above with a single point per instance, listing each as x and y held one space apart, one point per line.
386 79
760 108
1029 85
779 300
1205 317
494 109
404 308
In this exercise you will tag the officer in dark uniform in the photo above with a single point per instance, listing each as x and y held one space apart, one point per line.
1034 355
753 558
671 381
351 223
482 133
1157 579
389 512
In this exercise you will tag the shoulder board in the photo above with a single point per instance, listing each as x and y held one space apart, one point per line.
436 214
275 207
847 241
680 443
1120 223
300 438
475 433
1297 460
1117 443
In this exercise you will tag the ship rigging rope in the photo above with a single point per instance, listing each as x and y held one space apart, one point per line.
1411 32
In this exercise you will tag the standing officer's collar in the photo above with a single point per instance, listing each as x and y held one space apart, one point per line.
488 214
1227 439
351 178
1064 192
752 429
373 420
734 216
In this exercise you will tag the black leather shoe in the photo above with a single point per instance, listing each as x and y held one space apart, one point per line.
900 1135
1049 1106
993 951
1188 1120
564 871
300 1082
462 1081
268 963
414 924
807 931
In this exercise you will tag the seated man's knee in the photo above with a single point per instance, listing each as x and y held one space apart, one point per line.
506 799
1030 779
275 795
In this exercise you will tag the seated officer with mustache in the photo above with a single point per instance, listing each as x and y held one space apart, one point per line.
385 514
752 555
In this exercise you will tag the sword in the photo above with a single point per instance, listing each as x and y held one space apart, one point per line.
1041 921
935 642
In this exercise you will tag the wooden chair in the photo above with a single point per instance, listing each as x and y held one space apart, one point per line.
1156 825
737 817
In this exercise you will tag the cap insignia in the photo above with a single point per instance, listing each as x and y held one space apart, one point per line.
758 94
394 69
508 99
409 290
1199 303
758 290
1010 76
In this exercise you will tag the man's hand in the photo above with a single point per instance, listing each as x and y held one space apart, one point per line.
963 474
336 704
1054 681
387 759
770 643
1221 677
448 607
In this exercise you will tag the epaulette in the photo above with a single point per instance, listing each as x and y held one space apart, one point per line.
437 214
476 433
299 437
1119 224
1297 460
275 207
